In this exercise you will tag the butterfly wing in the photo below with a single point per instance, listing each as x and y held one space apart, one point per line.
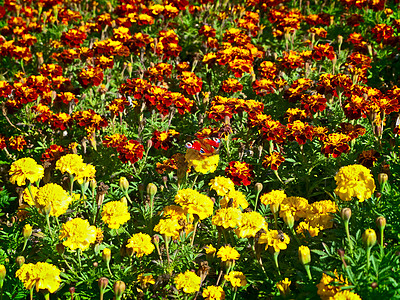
204 146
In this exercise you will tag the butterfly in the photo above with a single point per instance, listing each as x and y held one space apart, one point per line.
205 146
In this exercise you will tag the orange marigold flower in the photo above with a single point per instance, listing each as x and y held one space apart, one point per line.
91 76
335 144
239 172
231 86
73 38
17 143
164 139
130 151
273 161
190 83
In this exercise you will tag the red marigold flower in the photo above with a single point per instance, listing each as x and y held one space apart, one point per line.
368 158
91 76
264 86
164 139
335 144
291 60
273 130
114 140
17 143
239 172
323 50
61 121
3 141
207 31
190 83
268 69
53 153
231 86
273 161
104 62
240 66
159 72
117 105
135 87
44 113
89 120
5 89
353 131
299 131
382 32
73 38
313 103
130 151
66 98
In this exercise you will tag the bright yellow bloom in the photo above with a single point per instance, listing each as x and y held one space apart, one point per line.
276 239
54 195
141 244
283 286
237 279
320 213
235 199
298 206
210 249
42 275
304 255
201 163
189 282
168 227
227 217
85 172
213 293
222 185
26 196
69 163
274 198
145 280
354 181
305 226
227 253
175 212
328 286
195 203
25 169
115 214
79 234
346 295
251 223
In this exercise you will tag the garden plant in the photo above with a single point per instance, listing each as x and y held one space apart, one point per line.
209 149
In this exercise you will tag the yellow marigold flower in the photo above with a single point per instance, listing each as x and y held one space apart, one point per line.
235 199
201 163
283 286
25 169
297 205
320 213
54 195
276 239
115 214
195 203
227 253
26 196
227 217
69 163
210 249
42 275
85 172
141 244
305 226
346 295
328 286
354 181
222 185
79 234
304 255
274 199
213 292
145 280
250 224
236 278
189 282
176 212
168 227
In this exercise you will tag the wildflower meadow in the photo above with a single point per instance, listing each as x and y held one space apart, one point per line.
205 149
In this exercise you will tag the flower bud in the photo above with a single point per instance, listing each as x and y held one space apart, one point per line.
27 231
3 273
304 255
346 214
95 264
124 200
258 187
72 291
106 255
123 184
151 190
374 285
20 260
119 288
103 283
381 223
288 218
149 143
369 237
382 178
340 39
93 183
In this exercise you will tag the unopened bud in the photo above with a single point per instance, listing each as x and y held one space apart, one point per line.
340 39
106 255
124 200
93 184
288 218
151 190
103 283
149 143
20 260
346 214
123 184
304 255
374 285
369 237
3 273
119 289
72 291
95 264
258 187
382 178
27 231
381 223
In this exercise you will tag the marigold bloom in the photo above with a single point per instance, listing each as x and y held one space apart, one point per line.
236 278
354 181
78 233
329 287
306 227
320 213
251 223
335 144
115 214
54 195
168 227
210 249
346 295
273 161
283 286
68 163
25 169
145 280
189 282
42 276
17 143
240 172
195 203
190 83
231 86
221 185
298 206
213 293
229 217
276 239
227 253
234 199
141 244
201 163
274 199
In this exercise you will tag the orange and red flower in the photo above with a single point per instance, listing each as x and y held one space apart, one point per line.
240 173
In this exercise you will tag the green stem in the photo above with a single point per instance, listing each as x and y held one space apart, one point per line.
71 180
346 226
48 225
368 256
108 267
257 196
307 267
276 254
381 241
194 233
234 294
79 258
